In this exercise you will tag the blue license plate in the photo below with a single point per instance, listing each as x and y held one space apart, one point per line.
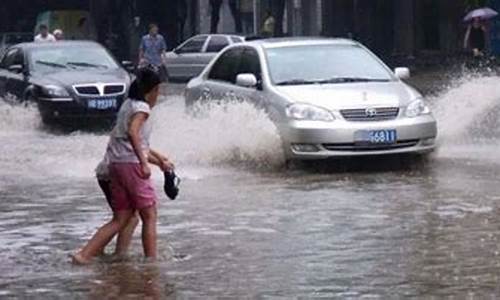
102 104
376 136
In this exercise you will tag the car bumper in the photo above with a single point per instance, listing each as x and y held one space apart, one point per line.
318 140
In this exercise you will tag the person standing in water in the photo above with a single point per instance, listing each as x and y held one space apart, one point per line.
58 34
129 157
151 51
476 37
269 26
125 234
44 35
104 181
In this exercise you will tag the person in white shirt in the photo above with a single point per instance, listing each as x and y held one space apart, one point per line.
44 36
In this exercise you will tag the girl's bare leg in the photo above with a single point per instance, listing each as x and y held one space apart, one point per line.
125 235
148 217
102 237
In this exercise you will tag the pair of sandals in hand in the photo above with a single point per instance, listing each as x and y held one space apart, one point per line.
171 184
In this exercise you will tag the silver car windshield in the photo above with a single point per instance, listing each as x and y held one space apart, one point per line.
49 58
324 64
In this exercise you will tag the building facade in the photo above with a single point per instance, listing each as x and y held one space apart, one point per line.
389 27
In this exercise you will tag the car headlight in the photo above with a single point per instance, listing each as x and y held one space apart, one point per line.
417 108
55 91
306 112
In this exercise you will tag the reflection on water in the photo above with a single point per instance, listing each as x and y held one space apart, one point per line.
119 280
364 228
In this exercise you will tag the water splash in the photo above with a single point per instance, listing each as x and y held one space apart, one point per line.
465 105
235 133
17 118
467 114
228 135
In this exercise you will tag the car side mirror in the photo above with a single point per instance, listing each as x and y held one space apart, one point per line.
177 51
128 65
402 73
246 80
16 69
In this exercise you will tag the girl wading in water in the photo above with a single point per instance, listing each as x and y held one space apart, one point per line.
129 157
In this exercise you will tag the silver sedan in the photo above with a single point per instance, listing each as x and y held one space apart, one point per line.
327 97
192 56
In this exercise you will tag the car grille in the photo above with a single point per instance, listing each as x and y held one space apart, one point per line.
363 147
87 90
100 89
370 115
114 89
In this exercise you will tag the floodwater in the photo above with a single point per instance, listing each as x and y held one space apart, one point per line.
245 226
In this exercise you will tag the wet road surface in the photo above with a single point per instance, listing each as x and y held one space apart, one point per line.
247 227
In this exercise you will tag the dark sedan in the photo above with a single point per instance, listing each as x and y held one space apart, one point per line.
69 81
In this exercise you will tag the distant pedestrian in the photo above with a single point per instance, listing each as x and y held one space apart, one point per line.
129 155
182 16
44 36
215 6
58 34
82 31
246 12
269 26
476 37
236 13
151 51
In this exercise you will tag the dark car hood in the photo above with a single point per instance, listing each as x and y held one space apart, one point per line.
72 77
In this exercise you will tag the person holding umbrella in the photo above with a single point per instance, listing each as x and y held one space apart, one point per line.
476 36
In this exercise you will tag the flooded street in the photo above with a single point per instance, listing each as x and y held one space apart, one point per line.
245 226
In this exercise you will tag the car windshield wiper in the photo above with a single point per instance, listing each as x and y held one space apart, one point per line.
50 64
331 80
350 80
296 82
85 64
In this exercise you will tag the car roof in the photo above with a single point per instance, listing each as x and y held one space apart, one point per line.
218 34
222 34
34 45
299 41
